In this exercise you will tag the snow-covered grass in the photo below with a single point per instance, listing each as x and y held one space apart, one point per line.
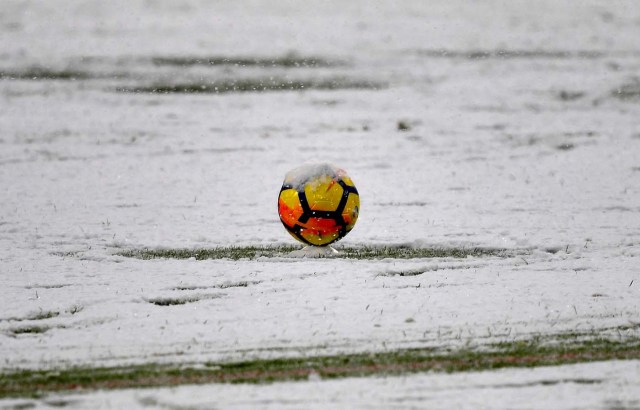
348 252
495 147
607 385
541 351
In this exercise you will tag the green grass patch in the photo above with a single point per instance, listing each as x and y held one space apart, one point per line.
43 314
181 300
286 61
504 54
28 330
231 252
40 315
40 73
525 353
627 92
226 285
168 301
364 252
67 254
407 252
581 335
253 85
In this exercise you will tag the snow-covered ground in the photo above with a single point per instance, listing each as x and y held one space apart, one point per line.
523 134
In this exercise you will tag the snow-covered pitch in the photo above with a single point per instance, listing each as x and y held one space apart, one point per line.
128 125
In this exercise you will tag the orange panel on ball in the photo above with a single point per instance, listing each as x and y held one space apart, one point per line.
289 207
320 231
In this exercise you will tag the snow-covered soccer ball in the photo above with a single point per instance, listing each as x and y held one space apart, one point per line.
318 204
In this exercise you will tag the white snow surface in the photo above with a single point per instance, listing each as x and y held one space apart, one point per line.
523 135
314 252
300 176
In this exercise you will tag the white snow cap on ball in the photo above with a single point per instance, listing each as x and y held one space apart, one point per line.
299 177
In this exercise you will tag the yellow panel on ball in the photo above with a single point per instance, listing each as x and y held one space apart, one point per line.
347 180
323 194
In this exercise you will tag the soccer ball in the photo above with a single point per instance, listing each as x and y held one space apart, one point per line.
318 204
